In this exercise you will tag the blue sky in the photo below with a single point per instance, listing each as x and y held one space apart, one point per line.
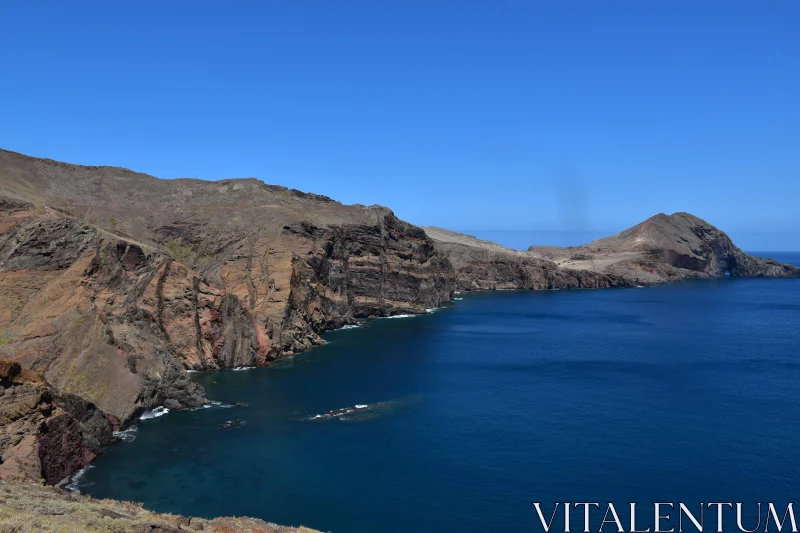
566 116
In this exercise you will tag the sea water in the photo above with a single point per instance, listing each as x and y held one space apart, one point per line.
457 420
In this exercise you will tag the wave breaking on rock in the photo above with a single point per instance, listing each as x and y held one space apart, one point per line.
155 413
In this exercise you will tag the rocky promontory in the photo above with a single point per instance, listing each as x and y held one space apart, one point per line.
666 248
662 249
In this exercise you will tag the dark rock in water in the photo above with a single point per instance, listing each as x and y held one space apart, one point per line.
335 413
232 423
365 412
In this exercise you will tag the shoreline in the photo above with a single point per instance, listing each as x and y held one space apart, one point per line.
160 411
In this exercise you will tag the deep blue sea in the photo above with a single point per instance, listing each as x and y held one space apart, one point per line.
689 392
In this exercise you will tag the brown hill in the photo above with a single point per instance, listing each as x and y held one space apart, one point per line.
661 249
666 248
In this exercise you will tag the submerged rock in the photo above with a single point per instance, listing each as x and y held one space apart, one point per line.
232 423
364 412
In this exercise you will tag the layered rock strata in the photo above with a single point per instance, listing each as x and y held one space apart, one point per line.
114 282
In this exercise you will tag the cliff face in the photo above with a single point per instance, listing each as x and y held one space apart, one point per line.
45 433
117 282
484 265
87 311
661 249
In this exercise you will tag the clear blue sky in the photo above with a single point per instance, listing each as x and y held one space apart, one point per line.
579 116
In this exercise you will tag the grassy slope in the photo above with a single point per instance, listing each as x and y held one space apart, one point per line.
28 507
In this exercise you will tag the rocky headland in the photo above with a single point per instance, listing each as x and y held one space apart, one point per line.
114 283
662 249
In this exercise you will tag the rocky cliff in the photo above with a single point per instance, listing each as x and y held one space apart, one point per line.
115 282
45 433
484 265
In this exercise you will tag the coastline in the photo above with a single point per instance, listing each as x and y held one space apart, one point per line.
114 310
390 359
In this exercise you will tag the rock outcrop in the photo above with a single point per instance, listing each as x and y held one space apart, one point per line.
45 433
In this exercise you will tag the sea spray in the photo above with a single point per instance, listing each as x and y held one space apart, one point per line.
128 435
74 482
155 413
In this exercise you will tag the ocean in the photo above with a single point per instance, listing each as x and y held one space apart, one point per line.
457 420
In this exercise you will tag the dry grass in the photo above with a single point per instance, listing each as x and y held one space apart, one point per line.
28 507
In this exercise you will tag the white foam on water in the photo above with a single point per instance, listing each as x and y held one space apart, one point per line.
129 435
340 414
432 309
458 298
155 413
397 316
350 326
211 404
241 368
190 371
74 482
